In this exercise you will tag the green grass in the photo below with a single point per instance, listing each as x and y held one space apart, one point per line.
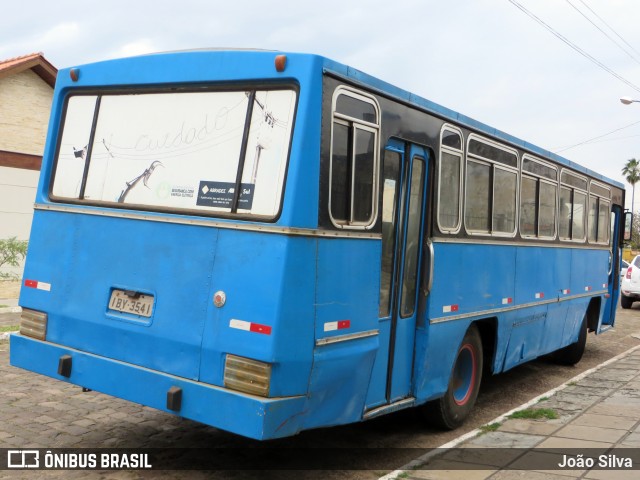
492 427
4 306
10 328
535 413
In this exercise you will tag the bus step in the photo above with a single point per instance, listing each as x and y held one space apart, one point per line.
392 407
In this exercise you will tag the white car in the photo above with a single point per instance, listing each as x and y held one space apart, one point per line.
623 269
630 288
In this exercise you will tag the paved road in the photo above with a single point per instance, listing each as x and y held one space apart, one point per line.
36 411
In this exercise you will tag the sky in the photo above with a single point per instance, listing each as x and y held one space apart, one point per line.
484 58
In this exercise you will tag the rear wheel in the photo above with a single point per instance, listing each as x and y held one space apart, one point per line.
571 354
452 409
625 302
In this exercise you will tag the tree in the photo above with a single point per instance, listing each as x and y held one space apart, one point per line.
11 252
631 172
635 235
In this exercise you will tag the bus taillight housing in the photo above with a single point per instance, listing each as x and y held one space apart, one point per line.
33 324
247 375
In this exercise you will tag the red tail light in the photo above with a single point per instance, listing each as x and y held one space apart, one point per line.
628 275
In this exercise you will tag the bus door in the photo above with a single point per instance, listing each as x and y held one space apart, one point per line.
405 175
617 224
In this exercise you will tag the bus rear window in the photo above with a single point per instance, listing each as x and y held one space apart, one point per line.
207 151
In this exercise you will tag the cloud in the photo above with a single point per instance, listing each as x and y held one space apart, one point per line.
63 34
138 47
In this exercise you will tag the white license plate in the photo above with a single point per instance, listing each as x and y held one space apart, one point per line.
138 304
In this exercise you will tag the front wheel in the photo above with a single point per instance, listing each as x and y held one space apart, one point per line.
452 409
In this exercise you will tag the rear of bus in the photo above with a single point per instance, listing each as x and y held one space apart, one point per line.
169 262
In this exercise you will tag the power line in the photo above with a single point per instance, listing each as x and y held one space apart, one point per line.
614 139
603 32
574 46
15 185
609 27
592 140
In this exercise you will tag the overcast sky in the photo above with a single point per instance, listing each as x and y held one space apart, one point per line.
484 58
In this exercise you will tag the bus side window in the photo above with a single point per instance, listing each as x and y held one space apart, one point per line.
538 192
599 208
604 209
449 178
354 160
492 188
528 206
565 213
390 196
573 207
478 197
504 200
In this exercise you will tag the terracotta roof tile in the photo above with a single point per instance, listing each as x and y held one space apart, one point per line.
34 61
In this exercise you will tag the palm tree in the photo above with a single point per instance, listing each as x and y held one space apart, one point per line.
631 172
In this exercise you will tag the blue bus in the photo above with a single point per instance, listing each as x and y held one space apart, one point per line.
269 243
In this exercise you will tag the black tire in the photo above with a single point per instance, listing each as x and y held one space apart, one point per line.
453 408
571 354
625 302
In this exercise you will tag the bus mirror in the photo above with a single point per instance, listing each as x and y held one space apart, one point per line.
628 223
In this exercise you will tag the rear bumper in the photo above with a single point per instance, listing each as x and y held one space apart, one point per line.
247 415
630 293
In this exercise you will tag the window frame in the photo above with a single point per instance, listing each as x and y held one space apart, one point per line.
599 198
538 179
461 183
355 124
420 217
100 93
573 189
388 256
493 164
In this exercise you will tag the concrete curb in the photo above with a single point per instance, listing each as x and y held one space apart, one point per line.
415 464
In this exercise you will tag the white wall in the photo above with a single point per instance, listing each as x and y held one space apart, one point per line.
17 194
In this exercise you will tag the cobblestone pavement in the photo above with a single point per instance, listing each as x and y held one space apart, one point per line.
39 412
596 415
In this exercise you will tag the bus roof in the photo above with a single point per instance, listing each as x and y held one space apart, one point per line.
157 63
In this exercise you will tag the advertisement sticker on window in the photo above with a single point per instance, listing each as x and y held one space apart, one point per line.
220 194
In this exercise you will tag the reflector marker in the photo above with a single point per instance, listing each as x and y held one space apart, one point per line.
39 285
587 288
604 285
566 292
540 295
449 308
249 326
339 325
507 301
